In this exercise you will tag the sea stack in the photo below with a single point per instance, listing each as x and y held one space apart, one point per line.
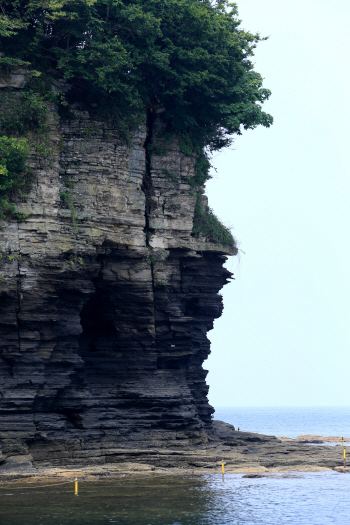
106 298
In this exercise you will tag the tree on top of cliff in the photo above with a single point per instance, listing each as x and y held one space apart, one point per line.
188 56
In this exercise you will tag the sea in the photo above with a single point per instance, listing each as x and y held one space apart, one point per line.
288 421
294 498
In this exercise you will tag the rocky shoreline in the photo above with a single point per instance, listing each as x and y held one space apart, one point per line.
316 440
242 452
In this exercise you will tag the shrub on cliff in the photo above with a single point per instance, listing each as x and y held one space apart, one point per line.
206 224
13 168
132 56
22 120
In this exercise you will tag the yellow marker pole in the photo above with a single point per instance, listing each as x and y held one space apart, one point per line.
76 487
223 470
344 458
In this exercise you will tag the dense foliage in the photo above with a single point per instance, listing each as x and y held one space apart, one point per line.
127 58
188 56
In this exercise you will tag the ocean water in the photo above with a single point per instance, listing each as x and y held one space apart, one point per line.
305 499
289 421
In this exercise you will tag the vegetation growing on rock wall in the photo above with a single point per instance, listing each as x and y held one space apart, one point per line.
13 171
22 123
22 112
205 223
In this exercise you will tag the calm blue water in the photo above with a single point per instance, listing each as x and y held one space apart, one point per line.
289 421
308 499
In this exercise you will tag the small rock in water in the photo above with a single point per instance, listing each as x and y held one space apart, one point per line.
254 475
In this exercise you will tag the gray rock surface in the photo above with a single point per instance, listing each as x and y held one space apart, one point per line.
105 302
253 454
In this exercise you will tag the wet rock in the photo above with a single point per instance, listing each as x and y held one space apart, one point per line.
256 475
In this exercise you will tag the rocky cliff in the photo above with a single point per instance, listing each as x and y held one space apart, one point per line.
105 299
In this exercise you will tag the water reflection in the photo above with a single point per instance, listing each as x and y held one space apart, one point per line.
128 500
310 499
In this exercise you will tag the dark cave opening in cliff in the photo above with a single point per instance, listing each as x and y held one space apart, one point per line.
97 316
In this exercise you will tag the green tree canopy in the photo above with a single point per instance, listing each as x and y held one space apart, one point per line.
188 56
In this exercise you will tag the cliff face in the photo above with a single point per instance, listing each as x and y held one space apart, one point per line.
105 300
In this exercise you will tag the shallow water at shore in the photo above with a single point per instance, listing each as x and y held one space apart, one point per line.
310 499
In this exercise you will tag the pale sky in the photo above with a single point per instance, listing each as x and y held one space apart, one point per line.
284 337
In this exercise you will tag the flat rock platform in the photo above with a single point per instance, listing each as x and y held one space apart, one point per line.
242 452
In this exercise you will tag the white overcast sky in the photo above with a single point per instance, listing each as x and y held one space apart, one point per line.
284 337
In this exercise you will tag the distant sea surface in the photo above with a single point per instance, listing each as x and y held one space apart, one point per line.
288 421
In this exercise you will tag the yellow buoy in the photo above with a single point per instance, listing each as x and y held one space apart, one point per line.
76 487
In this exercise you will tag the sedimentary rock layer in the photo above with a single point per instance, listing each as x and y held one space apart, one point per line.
105 300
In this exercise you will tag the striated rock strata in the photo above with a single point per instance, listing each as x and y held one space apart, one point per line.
105 301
